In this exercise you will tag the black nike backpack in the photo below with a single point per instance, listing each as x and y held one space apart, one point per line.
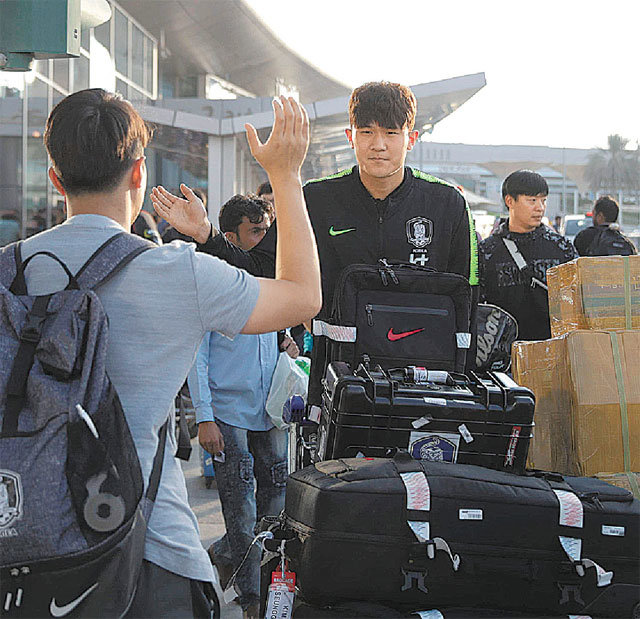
394 315
73 516
610 242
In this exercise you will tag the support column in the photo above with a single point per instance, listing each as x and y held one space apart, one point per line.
575 200
221 173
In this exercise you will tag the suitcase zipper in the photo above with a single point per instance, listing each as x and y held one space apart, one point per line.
388 540
398 267
396 309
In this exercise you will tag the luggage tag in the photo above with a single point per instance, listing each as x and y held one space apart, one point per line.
282 590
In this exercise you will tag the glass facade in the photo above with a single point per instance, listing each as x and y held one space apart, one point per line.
118 55
177 156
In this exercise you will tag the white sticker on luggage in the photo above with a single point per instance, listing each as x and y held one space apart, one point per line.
336 333
423 421
604 577
464 432
429 614
608 529
421 530
572 546
418 492
470 514
435 401
463 340
571 511
315 412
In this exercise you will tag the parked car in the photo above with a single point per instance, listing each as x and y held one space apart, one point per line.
634 237
484 223
572 224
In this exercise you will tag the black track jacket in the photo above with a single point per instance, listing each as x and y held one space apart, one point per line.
503 284
424 220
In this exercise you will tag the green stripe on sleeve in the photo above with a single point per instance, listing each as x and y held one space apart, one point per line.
474 280
326 178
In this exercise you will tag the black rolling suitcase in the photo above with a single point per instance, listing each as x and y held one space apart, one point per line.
482 419
421 535
393 315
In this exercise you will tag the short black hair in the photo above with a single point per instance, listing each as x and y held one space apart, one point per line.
93 137
524 183
387 104
233 210
264 188
608 206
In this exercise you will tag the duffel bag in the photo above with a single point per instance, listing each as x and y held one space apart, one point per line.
416 534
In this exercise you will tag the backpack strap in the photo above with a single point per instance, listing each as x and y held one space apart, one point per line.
17 382
156 472
110 258
521 263
593 246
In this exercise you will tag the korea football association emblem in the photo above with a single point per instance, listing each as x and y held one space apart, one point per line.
419 231
10 498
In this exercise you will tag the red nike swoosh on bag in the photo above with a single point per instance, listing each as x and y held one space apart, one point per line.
392 337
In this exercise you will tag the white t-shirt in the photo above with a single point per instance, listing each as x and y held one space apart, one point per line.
159 307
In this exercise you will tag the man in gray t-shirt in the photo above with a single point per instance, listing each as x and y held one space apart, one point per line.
96 144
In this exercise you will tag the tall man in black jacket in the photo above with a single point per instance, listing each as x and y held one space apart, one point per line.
377 209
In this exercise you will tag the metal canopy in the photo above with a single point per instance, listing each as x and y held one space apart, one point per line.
329 150
226 38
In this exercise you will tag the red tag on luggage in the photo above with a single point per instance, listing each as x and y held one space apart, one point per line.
281 595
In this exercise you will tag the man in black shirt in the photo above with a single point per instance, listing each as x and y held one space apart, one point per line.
603 238
377 209
514 260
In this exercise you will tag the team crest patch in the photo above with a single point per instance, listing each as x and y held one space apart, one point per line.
419 231
10 498
433 447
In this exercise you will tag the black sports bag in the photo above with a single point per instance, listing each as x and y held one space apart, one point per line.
394 314
423 535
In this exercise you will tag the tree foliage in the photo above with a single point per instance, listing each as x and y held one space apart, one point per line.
614 168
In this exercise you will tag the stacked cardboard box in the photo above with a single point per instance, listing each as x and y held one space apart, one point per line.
587 382
595 293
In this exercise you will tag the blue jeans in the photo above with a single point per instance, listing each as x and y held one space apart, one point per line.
249 456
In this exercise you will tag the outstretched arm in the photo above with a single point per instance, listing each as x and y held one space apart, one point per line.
189 216
295 294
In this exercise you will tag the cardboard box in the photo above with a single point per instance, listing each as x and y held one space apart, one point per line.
583 383
623 480
540 367
594 293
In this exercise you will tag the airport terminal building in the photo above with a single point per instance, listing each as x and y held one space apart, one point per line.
197 71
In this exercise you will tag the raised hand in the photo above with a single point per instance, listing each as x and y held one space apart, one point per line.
186 216
285 149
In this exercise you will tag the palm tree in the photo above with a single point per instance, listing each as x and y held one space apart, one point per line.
615 168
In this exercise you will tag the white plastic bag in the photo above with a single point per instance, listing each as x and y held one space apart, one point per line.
289 378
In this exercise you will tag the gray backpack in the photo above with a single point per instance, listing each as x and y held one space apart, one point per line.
72 512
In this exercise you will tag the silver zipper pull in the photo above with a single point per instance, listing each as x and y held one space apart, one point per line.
369 309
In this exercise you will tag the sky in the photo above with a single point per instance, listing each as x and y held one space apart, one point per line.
564 73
